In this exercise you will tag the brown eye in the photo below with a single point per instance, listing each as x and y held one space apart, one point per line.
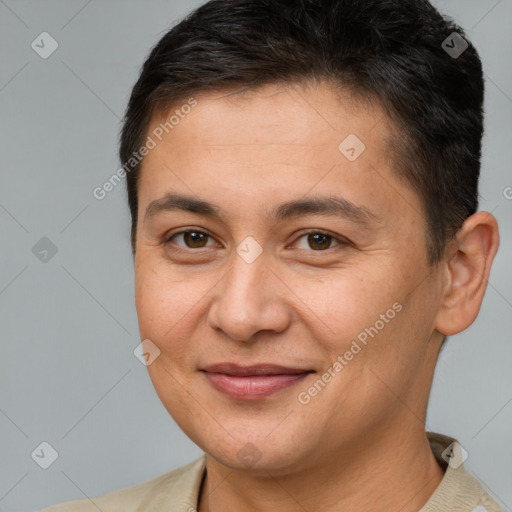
317 241
191 239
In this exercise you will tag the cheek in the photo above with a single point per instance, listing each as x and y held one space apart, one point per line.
169 307
377 320
166 309
349 302
160 297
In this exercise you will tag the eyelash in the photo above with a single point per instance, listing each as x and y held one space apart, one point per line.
340 240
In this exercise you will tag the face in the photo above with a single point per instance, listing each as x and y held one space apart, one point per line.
289 292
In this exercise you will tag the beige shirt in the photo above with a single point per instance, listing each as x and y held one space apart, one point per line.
178 491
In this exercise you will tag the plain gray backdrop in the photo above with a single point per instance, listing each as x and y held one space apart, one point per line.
69 327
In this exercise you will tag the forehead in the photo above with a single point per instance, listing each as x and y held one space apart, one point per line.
309 115
278 139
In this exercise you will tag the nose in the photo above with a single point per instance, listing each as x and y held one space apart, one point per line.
250 299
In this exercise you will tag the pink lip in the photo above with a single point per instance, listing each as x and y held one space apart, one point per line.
252 382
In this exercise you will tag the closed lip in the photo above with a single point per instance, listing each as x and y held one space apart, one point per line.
256 369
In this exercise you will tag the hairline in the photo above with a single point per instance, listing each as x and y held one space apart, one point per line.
361 96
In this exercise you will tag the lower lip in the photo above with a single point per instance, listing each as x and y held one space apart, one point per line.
252 387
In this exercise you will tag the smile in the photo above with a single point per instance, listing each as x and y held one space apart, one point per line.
252 382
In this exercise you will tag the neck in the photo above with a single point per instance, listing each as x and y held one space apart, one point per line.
398 472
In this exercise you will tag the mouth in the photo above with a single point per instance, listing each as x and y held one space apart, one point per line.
253 382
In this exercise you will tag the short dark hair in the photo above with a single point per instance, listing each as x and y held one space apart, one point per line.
391 51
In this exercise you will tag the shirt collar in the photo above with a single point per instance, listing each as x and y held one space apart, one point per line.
458 489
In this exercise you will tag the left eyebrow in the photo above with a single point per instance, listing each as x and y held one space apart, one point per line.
325 205
320 205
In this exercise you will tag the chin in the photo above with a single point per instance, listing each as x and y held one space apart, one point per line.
255 448
249 458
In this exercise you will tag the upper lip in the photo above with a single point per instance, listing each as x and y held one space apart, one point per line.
257 369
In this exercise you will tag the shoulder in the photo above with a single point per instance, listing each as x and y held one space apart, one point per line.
178 488
459 489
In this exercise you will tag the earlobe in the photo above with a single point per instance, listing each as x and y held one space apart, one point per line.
467 273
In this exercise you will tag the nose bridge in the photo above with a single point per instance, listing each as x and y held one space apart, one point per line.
245 277
247 301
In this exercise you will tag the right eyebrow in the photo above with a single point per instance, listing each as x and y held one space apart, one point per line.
319 205
172 202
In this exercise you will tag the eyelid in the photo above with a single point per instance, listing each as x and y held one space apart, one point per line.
167 237
341 241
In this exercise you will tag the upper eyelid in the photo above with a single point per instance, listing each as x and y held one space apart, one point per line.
167 238
340 239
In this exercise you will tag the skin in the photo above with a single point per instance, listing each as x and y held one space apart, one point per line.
360 443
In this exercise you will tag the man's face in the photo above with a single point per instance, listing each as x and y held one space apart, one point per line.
295 287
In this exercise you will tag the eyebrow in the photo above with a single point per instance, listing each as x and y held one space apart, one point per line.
320 205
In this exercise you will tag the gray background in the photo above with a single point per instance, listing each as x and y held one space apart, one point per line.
69 326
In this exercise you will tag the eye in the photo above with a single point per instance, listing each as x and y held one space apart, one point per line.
315 240
319 241
193 239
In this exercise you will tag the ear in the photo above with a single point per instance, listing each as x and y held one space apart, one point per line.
467 269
